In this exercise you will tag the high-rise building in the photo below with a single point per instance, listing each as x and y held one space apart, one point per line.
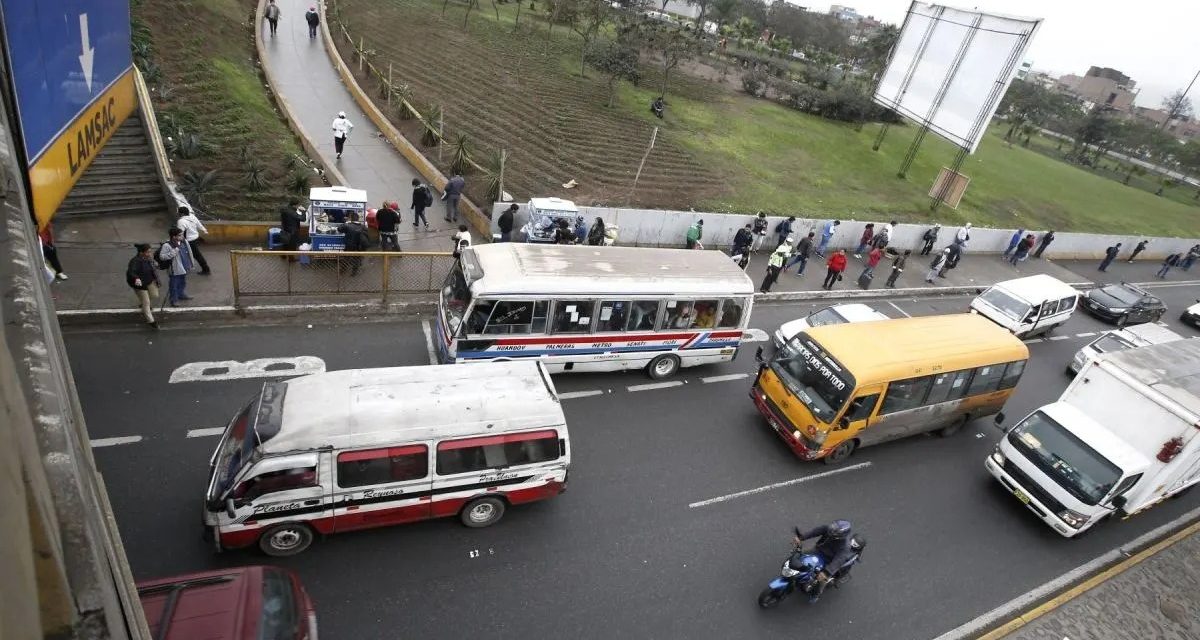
1121 79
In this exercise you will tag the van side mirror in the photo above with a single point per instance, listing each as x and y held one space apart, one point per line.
999 420
758 357
1118 504
230 510
844 423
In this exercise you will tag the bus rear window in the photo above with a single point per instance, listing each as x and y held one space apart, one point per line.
496 452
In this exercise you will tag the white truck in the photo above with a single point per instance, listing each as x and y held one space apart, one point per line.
1123 437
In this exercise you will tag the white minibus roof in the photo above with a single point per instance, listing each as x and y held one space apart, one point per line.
358 408
562 270
1037 288
553 204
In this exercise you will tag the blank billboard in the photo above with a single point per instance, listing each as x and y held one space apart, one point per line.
951 67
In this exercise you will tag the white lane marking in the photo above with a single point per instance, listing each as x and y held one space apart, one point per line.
580 394
1059 338
204 433
726 378
108 442
1033 340
655 385
433 359
755 335
777 485
1086 335
902 311
234 370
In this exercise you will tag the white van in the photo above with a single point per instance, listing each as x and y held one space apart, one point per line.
1119 340
544 215
361 448
1027 306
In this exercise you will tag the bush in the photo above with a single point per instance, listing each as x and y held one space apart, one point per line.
754 81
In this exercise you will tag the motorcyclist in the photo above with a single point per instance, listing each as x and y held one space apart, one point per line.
833 545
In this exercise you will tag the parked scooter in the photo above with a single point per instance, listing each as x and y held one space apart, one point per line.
800 572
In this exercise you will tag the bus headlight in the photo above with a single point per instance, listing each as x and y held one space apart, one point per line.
797 435
1076 520
998 458
818 436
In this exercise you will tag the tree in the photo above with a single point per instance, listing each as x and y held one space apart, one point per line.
703 4
723 12
673 45
587 18
617 60
872 53
1096 130
1178 106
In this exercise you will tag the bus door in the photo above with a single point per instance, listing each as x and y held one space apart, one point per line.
857 416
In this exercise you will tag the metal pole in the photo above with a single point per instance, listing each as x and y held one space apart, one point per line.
503 157
362 53
649 147
237 286
389 86
879 138
387 272
441 131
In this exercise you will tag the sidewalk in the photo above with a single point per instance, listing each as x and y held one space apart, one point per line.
1158 597
307 81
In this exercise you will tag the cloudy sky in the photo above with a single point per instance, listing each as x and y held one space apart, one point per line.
1155 42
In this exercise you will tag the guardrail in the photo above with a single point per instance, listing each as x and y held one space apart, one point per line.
308 274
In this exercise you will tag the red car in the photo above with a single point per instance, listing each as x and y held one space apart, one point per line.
240 603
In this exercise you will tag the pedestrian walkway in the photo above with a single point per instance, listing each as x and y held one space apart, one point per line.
306 79
1156 595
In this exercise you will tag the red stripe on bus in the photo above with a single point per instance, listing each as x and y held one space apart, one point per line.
651 337
494 440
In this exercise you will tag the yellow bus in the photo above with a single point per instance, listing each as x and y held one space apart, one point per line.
835 388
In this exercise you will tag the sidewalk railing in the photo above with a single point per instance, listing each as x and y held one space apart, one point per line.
368 274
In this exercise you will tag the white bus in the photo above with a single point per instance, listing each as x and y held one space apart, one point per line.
584 308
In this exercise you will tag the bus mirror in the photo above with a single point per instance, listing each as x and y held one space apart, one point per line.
1119 503
844 423
229 508
758 357
999 419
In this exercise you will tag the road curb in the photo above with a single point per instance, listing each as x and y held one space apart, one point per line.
1023 609
81 317
911 292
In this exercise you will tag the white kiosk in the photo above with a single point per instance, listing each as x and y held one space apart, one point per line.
329 207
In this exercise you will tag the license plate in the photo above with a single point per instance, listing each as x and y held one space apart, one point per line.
1021 496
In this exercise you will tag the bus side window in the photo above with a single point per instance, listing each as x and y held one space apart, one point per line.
479 316
510 316
903 395
541 309
986 379
948 386
1066 304
705 314
731 313
274 481
572 316
642 315
679 314
1012 374
613 315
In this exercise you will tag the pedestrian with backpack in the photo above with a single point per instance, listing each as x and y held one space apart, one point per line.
142 277
175 258
422 197
314 20
784 229
356 239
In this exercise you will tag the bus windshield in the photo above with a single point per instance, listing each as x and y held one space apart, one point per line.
456 297
813 377
1069 461
235 450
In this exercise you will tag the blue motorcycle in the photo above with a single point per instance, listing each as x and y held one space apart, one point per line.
800 573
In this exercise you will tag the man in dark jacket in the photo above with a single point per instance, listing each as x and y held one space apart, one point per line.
898 268
1110 254
356 240
930 237
290 219
742 241
314 20
386 219
802 252
505 223
1047 238
951 259
833 545
141 276
421 198
1141 246
452 193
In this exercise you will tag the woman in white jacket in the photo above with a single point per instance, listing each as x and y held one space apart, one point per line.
192 228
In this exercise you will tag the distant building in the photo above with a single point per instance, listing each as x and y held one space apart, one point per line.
1098 90
679 8
1111 74
1183 129
844 13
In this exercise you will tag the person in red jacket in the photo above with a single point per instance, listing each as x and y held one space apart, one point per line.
836 264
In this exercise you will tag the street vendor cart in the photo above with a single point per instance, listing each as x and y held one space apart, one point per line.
328 208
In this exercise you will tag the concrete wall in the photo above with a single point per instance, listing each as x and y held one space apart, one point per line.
651 227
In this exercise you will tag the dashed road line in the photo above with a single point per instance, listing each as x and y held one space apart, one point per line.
777 485
655 385
580 394
204 433
1086 335
234 370
726 378
902 311
433 359
110 442
1059 338
1033 340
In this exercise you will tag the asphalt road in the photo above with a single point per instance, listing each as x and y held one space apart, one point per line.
621 553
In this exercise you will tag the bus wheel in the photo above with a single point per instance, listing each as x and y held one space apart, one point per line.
839 453
482 512
946 432
663 366
284 540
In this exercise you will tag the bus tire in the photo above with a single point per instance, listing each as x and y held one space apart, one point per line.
482 512
286 539
840 452
952 429
663 366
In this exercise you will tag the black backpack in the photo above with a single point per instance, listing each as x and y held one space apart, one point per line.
162 264
428 197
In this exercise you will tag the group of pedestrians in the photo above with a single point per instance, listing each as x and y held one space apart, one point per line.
178 256
272 14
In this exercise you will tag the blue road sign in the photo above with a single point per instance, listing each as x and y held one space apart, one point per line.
64 55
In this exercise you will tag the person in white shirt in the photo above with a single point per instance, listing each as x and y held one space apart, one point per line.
341 131
192 228
462 239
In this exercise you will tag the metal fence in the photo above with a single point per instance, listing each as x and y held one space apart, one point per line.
309 274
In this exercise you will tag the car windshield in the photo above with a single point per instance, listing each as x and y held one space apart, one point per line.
1069 461
456 296
1111 342
1005 303
813 377
281 615
1122 294
824 317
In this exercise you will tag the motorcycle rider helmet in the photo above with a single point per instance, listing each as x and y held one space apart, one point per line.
839 529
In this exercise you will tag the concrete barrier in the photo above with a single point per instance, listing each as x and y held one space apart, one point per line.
664 228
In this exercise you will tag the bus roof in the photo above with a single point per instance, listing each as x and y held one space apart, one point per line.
358 408
519 268
888 350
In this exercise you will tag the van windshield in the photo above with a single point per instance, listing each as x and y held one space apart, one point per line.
1005 303
813 377
1069 461
235 450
